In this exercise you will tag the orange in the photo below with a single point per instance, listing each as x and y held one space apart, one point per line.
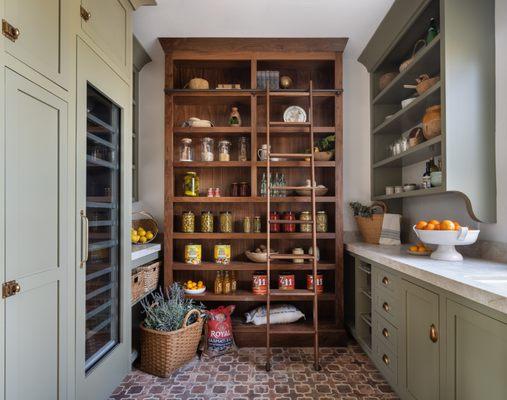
421 249
414 248
430 227
434 222
421 225
456 225
447 225
437 227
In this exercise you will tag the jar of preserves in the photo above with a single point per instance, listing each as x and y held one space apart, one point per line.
273 216
191 184
298 251
305 216
244 189
224 150
186 150
188 222
257 224
225 222
321 221
206 222
260 283
207 149
286 281
234 282
247 225
234 189
222 254
193 253
289 216
320 282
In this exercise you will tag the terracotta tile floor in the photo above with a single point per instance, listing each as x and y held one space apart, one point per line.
347 373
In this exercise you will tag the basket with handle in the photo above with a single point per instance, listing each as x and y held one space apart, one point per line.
145 220
405 64
371 227
137 284
162 353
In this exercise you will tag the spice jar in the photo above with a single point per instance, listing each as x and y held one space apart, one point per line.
206 222
224 150
298 251
247 225
257 224
273 216
222 253
243 149
186 150
321 221
193 253
191 184
234 189
188 222
244 189
286 281
289 216
207 149
320 282
305 216
225 222
259 282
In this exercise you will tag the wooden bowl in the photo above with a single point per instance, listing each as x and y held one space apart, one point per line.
308 192
323 155
258 257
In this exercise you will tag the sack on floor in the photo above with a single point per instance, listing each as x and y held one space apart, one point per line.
278 314
219 339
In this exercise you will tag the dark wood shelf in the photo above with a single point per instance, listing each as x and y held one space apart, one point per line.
251 236
252 199
247 296
304 326
212 164
296 164
251 266
215 130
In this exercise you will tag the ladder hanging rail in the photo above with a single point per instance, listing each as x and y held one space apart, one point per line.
268 229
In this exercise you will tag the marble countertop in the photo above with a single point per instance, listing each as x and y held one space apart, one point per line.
482 281
143 250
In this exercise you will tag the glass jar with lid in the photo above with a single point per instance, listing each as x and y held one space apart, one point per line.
305 216
186 150
188 222
225 222
243 149
206 222
207 144
321 221
224 150
191 184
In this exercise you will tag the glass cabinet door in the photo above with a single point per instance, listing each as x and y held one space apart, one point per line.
102 210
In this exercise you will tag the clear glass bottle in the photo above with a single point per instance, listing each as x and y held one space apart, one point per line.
188 222
206 222
234 282
207 144
186 150
243 149
225 222
257 224
224 150
219 283
264 185
321 221
247 225
227 289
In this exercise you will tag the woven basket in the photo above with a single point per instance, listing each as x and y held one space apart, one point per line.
145 220
137 284
371 227
162 353
151 273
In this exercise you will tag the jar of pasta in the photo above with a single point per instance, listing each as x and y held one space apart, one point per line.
225 222
206 222
188 222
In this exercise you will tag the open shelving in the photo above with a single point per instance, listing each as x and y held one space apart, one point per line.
320 64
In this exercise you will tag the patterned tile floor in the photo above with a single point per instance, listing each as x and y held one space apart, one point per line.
347 374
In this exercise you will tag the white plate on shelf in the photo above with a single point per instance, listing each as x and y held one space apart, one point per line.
446 241
195 291
294 114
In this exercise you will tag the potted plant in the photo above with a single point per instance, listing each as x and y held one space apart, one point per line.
171 331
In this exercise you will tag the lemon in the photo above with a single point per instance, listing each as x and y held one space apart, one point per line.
135 238
149 235
142 239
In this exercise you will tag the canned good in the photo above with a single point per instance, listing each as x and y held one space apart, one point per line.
225 222
259 283
320 282
222 253
206 222
273 216
193 253
306 216
289 216
286 281
321 221
188 222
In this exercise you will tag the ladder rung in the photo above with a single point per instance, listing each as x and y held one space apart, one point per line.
281 123
289 93
287 221
291 256
291 155
292 187
288 331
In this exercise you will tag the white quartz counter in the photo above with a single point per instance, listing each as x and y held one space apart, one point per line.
484 282
143 250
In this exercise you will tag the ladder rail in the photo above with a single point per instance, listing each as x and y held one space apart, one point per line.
268 229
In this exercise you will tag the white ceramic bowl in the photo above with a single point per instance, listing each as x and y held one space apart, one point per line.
258 257
196 291
446 240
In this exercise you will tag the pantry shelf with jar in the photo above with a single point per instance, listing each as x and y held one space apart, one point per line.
216 217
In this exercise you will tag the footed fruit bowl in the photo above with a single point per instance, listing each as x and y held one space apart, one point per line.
446 241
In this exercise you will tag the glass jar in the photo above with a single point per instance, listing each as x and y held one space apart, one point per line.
243 149
225 222
257 224
224 150
227 289
244 189
321 221
234 189
219 283
188 222
305 216
191 184
289 216
298 251
247 225
317 252
207 149
206 222
186 150
273 216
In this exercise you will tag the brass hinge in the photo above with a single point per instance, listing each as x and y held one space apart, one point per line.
10 289
10 31
85 14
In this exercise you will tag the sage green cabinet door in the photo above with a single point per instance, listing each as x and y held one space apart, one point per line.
419 353
476 355
37 245
40 40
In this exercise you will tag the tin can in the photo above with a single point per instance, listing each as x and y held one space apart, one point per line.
320 282
260 282
273 215
222 253
289 216
286 281
193 253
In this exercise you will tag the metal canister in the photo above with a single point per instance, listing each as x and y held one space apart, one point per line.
222 253
188 222
286 281
260 282
193 253
320 282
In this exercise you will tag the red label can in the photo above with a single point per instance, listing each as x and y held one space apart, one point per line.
259 283
273 215
320 282
286 281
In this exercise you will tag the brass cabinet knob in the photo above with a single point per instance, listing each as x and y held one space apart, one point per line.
9 31
385 306
386 359
433 333
17 288
385 280
85 14
385 332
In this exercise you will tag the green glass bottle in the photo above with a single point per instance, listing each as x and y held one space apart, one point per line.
432 31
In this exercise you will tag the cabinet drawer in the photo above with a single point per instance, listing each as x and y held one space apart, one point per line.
386 306
387 363
385 333
385 280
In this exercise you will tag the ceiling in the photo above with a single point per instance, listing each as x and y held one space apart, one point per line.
355 19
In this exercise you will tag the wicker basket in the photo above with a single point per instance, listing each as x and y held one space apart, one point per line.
162 353
371 227
147 221
137 284
151 274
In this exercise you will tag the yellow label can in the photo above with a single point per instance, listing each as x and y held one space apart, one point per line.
222 253
193 253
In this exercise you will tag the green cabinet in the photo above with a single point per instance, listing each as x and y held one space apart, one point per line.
476 355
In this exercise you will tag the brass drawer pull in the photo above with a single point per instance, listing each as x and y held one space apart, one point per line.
386 359
433 333
85 14
385 280
385 306
10 31
385 333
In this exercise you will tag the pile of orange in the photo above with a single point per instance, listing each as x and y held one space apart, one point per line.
434 225
419 248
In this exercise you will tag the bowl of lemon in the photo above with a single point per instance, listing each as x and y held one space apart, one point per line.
144 228
192 287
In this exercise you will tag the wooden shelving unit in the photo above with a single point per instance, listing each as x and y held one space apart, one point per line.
319 61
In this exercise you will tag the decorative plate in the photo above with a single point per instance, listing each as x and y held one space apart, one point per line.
294 114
